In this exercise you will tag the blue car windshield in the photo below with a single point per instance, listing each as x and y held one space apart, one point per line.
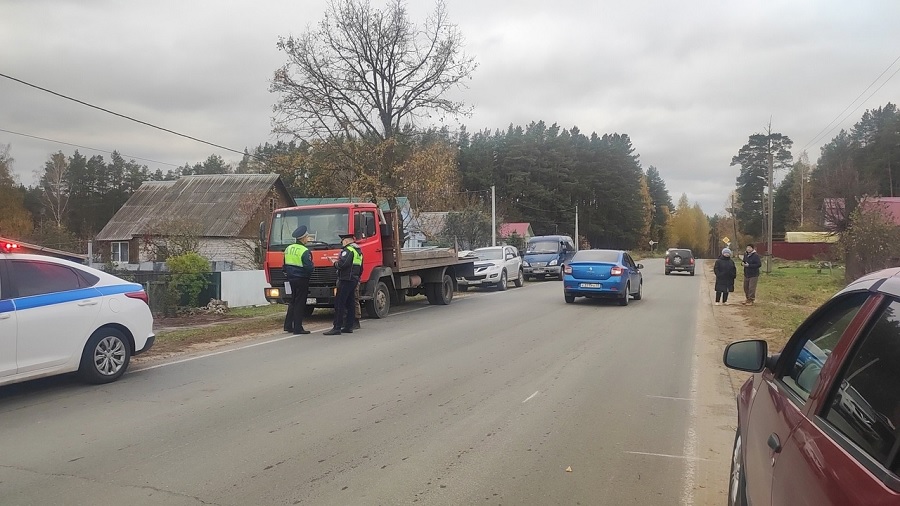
539 247
593 255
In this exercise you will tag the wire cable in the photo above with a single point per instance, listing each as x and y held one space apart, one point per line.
820 136
122 115
87 147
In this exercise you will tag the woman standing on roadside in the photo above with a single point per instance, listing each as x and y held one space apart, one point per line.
725 272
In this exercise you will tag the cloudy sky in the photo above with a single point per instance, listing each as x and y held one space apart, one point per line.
687 81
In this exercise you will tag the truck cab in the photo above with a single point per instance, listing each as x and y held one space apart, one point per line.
545 255
388 274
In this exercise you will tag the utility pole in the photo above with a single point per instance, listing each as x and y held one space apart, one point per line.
577 240
771 206
493 216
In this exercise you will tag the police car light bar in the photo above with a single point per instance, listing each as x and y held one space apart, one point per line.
9 247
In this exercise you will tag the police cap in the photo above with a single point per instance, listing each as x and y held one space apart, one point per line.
300 232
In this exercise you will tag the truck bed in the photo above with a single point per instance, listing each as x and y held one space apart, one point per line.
423 258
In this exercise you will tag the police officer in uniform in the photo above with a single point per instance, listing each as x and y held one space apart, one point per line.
298 267
349 266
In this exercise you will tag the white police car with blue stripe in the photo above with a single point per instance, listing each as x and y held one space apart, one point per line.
58 317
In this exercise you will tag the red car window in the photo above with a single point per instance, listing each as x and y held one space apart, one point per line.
819 339
866 404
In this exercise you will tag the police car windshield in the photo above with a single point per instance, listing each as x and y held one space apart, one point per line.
543 247
323 225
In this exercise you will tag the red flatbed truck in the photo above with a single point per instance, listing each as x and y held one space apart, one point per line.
389 274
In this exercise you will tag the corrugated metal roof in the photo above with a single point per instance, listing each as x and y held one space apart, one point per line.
402 202
216 202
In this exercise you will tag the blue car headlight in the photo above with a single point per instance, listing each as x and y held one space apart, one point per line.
526 264
552 263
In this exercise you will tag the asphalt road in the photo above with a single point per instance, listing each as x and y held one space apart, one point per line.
499 398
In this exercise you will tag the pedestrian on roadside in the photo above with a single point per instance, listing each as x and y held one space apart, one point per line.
298 267
725 272
349 266
751 263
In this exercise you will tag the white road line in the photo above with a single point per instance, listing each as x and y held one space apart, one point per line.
691 399
666 455
531 396
248 346
690 439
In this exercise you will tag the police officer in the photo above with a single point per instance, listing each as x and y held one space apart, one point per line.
349 266
298 267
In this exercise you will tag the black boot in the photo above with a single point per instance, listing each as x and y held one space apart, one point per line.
356 325
332 332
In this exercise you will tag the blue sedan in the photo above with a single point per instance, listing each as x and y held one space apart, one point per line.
602 273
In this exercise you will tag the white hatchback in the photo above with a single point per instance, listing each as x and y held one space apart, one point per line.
496 266
57 317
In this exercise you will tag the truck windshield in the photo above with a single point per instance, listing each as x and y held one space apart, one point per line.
323 225
543 247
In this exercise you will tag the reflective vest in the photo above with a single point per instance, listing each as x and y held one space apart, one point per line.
357 255
293 255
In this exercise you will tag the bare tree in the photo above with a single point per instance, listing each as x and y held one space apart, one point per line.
365 73
55 186
169 236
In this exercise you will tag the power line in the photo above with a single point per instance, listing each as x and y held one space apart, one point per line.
122 115
820 135
86 147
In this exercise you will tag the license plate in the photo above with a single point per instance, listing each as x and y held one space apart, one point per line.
310 301
590 285
539 271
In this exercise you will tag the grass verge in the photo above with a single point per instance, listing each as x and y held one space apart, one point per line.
786 296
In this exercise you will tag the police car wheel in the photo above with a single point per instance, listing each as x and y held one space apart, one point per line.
105 357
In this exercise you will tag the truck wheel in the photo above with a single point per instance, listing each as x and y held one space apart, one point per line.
380 304
504 282
519 278
440 293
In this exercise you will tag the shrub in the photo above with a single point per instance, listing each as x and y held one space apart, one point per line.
188 277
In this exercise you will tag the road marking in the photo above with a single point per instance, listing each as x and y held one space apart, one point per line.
691 399
248 346
531 396
666 455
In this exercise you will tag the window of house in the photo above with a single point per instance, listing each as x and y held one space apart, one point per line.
866 404
272 204
119 252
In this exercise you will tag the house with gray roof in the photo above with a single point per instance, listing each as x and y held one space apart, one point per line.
221 212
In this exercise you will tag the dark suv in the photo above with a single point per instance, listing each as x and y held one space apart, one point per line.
678 259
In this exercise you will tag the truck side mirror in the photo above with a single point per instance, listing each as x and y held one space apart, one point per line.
386 231
262 234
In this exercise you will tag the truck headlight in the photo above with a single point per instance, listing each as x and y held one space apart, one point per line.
273 292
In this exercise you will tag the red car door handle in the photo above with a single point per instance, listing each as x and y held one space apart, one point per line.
774 443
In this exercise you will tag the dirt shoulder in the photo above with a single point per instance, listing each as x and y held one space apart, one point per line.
715 389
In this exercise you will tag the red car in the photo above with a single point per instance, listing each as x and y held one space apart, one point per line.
819 423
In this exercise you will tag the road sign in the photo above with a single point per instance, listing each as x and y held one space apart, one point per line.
726 240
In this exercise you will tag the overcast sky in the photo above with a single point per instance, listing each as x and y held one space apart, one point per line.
689 82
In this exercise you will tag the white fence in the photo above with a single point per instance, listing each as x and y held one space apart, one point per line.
244 288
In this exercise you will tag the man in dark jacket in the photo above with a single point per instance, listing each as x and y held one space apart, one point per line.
349 266
298 267
752 263
725 272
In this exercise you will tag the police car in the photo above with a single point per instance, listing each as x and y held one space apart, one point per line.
57 316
